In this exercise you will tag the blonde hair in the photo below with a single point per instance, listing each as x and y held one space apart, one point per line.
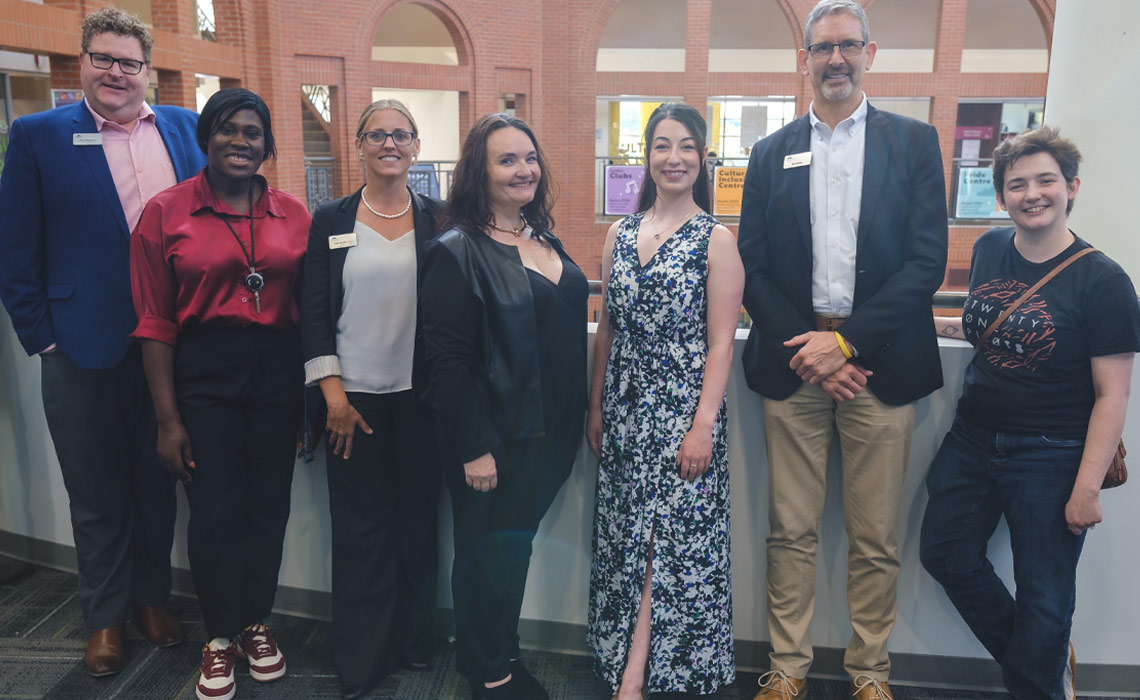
380 105
115 21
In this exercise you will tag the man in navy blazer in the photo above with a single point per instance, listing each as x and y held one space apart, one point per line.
843 235
74 183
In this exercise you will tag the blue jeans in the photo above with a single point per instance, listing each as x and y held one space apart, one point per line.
978 476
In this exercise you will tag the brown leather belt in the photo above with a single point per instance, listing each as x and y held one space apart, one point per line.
828 323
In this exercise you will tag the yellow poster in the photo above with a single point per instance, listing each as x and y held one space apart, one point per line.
728 191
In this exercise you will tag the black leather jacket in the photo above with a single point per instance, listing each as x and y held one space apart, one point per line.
482 342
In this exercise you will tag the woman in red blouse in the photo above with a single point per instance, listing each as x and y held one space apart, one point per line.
215 262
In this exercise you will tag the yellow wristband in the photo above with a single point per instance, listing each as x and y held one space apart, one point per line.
842 345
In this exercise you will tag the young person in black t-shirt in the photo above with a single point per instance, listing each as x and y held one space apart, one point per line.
1039 419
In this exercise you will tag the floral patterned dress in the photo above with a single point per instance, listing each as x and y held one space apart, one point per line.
653 383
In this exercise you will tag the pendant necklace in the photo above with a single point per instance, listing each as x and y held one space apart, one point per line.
516 232
254 281
663 229
381 214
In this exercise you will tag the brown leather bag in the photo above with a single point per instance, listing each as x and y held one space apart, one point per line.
1117 472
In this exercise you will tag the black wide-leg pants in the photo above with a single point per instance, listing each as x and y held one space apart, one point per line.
240 398
122 502
384 503
494 533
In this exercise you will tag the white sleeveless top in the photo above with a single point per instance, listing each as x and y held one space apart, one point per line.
376 332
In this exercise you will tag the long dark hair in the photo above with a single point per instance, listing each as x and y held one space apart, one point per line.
692 120
467 205
225 103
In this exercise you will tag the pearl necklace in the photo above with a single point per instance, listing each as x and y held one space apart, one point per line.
381 214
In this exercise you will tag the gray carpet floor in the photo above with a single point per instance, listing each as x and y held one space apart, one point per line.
42 639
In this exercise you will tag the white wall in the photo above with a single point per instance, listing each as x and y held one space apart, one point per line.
437 115
1092 96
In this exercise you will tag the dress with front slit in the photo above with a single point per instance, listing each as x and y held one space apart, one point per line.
658 312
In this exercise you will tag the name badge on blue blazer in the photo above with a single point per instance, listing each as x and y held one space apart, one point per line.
87 139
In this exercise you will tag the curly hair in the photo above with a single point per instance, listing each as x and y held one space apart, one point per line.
116 21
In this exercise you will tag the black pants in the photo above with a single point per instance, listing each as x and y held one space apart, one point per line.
494 531
122 502
239 395
384 503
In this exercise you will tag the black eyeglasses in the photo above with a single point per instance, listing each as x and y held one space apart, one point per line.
399 137
104 62
849 48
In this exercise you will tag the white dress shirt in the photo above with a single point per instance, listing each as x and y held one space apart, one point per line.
836 195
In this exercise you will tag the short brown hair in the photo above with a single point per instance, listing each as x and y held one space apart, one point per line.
116 21
1046 139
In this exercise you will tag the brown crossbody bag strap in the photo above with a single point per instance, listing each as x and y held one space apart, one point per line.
1117 472
1033 290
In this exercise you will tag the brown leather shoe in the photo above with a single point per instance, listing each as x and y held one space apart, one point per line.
158 625
866 688
777 685
104 655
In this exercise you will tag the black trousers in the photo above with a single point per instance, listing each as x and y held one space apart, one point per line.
494 532
384 502
122 502
239 396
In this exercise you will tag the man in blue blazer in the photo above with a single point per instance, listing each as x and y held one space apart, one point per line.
843 235
75 180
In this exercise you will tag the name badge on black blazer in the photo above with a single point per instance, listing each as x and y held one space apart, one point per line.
87 139
344 240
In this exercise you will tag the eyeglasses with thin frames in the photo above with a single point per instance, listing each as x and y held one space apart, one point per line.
102 61
849 48
399 137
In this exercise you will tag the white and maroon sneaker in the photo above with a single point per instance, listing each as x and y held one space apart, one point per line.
217 679
258 646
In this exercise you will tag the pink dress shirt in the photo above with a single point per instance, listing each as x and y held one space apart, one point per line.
140 165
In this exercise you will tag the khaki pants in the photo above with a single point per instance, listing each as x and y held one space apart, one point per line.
875 442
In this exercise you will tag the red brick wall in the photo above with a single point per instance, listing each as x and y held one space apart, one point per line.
543 50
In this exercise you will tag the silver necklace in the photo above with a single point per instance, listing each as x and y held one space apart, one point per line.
663 229
381 214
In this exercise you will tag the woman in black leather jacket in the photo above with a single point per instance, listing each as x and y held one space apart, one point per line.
504 313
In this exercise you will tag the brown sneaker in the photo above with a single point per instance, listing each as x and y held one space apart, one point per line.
216 681
258 646
777 685
866 688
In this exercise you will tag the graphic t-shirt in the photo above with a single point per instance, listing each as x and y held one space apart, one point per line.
1034 375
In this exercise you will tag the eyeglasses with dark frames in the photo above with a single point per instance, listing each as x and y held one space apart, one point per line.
102 61
849 48
399 137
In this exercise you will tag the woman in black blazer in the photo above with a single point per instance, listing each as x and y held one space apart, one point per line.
362 345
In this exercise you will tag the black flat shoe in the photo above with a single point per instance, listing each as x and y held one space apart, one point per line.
531 688
511 690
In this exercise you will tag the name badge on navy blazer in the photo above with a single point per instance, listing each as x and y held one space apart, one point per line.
87 139
797 160
344 240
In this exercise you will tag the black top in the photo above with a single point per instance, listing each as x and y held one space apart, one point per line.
1034 374
459 337
560 311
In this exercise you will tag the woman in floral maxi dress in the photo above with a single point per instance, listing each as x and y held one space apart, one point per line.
660 589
